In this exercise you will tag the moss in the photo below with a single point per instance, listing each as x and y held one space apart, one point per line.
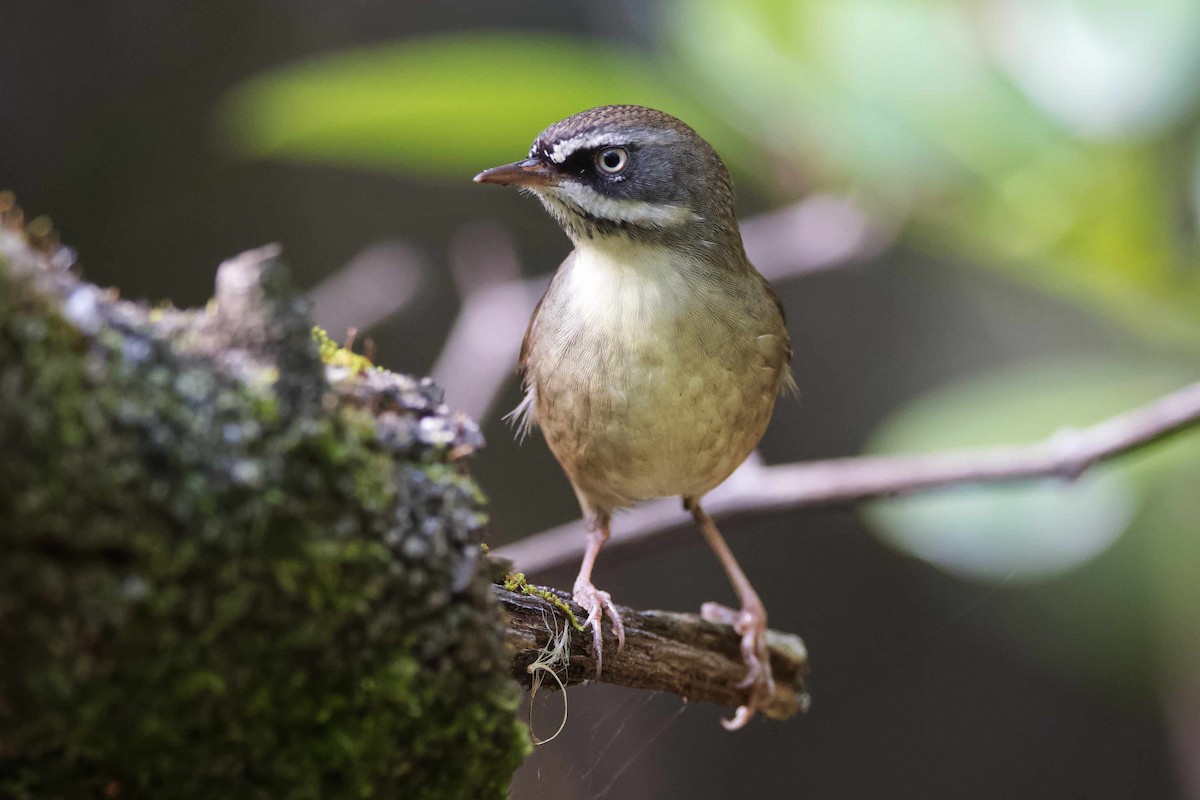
515 582
227 574
333 354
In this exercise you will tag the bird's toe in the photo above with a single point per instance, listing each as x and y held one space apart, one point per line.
750 623
597 604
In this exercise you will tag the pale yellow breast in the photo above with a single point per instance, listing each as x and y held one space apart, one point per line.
650 381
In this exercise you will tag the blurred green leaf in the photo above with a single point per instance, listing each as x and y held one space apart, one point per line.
905 100
449 106
1104 69
1128 623
1036 528
894 95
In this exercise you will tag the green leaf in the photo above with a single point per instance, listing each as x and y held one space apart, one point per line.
904 101
1031 529
448 106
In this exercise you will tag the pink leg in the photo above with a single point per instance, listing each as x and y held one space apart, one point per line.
750 621
594 601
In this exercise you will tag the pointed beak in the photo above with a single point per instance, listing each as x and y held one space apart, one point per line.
528 173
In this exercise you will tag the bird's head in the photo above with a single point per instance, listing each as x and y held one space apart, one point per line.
626 172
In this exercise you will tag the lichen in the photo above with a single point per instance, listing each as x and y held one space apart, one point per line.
229 570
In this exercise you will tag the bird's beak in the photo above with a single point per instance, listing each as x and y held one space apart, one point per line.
527 174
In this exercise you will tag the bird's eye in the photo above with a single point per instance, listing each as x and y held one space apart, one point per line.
612 160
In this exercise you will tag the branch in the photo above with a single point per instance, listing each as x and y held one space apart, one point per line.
664 652
755 490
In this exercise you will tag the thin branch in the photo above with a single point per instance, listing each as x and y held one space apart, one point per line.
818 233
377 282
664 652
756 490
479 356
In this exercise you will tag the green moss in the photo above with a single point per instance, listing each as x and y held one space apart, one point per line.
212 587
333 354
515 582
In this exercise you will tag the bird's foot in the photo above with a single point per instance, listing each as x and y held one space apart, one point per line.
595 603
751 623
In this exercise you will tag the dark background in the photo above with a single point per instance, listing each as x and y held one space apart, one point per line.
927 681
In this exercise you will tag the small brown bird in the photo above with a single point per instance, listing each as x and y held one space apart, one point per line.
654 359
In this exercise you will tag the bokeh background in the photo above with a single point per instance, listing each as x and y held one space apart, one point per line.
982 218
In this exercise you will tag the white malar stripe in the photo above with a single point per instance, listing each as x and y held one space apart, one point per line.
566 148
615 209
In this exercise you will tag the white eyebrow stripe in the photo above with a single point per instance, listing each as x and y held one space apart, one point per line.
615 209
567 147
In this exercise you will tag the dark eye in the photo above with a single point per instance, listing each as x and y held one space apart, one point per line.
612 160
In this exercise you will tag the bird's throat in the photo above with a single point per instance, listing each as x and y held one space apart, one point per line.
620 284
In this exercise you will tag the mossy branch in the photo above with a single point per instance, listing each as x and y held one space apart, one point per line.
664 652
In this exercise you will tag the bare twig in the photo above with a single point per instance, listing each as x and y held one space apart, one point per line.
819 233
664 651
755 489
376 283
480 354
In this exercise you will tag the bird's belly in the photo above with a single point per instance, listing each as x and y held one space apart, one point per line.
640 413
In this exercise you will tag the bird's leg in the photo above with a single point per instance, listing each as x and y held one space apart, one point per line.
594 601
750 621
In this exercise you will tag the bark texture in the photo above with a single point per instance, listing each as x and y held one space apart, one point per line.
664 652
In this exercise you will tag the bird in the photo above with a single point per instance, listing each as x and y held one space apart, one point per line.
653 362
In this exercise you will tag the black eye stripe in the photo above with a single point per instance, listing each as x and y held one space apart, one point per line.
582 164
579 162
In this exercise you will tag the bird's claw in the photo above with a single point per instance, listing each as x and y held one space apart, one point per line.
751 624
596 602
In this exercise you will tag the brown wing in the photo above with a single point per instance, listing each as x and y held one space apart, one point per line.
527 342
782 316
787 381
524 416
523 359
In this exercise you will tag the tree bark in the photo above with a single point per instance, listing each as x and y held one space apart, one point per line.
664 652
